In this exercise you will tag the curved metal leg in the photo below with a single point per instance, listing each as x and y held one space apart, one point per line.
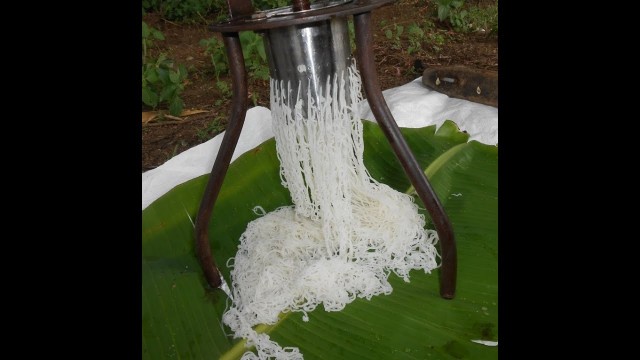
448 269
219 170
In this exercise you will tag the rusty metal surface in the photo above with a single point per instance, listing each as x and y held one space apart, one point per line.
269 19
229 141
240 8
365 59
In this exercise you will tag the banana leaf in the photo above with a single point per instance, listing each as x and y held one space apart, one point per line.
181 316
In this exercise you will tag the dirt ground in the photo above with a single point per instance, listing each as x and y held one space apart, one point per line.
164 139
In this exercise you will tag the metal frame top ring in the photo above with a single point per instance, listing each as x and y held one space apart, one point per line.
285 16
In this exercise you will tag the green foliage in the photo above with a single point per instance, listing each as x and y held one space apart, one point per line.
253 51
215 49
416 38
458 20
183 10
149 35
470 17
483 19
445 8
434 38
255 56
162 82
395 36
224 90
213 128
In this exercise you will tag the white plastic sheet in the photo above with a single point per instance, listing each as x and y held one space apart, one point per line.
413 105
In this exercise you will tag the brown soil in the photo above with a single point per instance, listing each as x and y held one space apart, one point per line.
166 138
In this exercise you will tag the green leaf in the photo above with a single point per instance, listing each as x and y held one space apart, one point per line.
182 70
162 58
168 93
415 30
149 97
174 76
182 319
457 3
163 74
443 13
175 107
388 33
151 75
158 35
145 30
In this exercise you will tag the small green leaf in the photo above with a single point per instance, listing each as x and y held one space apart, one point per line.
443 13
162 58
174 76
158 35
149 97
145 30
388 33
182 70
163 74
175 107
151 75
168 93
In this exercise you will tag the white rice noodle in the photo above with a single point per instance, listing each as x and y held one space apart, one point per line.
345 232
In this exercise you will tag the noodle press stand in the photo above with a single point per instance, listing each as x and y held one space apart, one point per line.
243 17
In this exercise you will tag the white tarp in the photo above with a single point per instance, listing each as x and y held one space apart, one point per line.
413 105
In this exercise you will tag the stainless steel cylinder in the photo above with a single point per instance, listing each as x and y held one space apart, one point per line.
304 56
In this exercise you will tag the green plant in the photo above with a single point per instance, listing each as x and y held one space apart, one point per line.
254 54
149 35
395 36
224 90
459 20
433 37
214 127
437 41
445 8
466 18
215 49
162 82
255 57
416 38
483 18
183 10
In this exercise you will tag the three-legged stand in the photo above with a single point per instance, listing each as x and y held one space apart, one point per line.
364 41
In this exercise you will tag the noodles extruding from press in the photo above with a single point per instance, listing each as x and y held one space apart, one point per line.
345 233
